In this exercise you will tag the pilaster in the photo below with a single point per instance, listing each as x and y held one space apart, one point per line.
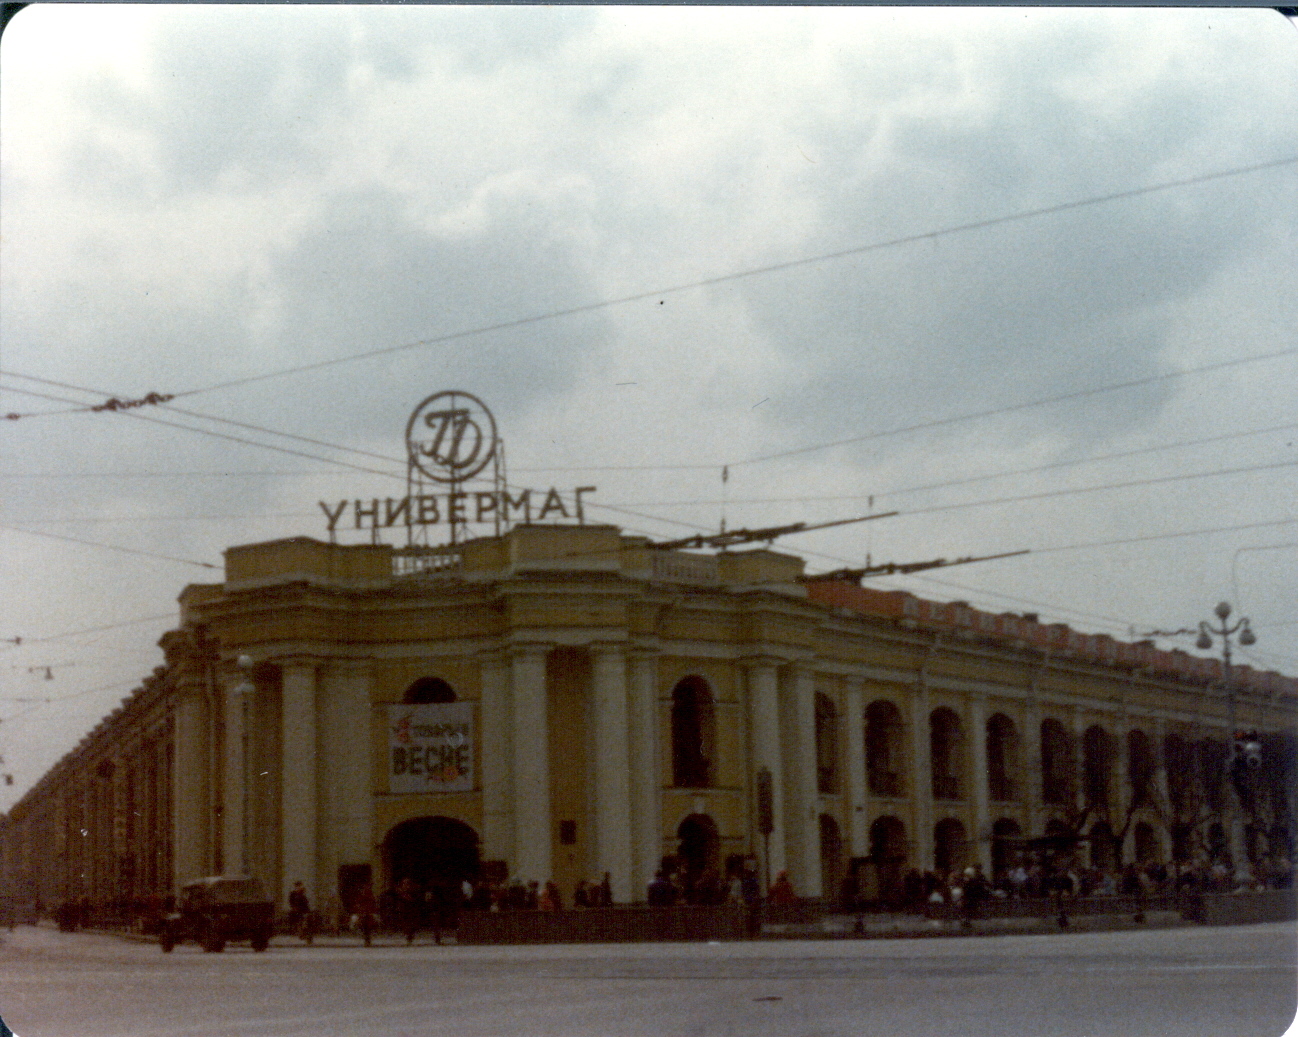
858 836
533 839
612 768
764 736
497 739
646 779
982 834
798 731
298 786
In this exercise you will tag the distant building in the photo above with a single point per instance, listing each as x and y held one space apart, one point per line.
561 702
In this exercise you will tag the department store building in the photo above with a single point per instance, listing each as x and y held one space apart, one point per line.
562 701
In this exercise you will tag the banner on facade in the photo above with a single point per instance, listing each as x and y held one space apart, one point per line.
430 747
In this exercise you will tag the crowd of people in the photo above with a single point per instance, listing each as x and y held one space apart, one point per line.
410 906
1046 877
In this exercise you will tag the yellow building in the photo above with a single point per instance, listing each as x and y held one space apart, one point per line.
569 702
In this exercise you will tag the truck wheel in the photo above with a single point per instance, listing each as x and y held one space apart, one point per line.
260 942
167 943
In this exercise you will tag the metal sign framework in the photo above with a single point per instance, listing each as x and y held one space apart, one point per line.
450 438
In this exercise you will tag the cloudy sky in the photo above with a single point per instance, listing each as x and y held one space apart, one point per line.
1023 276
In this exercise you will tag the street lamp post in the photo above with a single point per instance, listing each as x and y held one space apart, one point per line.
1225 630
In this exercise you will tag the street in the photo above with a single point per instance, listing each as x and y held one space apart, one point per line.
1187 982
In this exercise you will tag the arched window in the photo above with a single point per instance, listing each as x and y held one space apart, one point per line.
428 689
826 745
694 734
946 748
1097 767
1140 765
1002 758
883 748
1058 764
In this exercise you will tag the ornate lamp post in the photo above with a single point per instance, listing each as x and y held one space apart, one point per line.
1225 630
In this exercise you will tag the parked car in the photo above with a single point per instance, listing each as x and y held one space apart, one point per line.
217 910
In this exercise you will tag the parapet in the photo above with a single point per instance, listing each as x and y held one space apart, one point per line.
304 559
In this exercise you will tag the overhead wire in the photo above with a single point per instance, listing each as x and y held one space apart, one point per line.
1011 408
747 273
109 547
980 503
99 629
252 442
759 271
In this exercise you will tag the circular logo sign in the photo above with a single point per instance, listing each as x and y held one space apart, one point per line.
451 436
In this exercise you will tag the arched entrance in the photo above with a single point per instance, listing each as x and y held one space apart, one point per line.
950 846
1006 840
1147 848
888 858
1102 848
831 859
700 848
433 851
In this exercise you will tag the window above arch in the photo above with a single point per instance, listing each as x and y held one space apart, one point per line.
694 734
428 689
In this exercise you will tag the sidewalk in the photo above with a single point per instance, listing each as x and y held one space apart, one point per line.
902 926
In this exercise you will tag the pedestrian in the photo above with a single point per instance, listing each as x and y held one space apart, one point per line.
660 892
299 907
973 894
363 911
409 907
781 891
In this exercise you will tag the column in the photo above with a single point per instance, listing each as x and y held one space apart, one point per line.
921 778
612 768
646 779
1120 795
497 756
237 690
1031 768
298 777
764 733
344 773
1079 760
191 833
982 833
533 839
798 731
1162 794
858 835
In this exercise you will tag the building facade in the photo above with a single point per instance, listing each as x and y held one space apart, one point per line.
567 702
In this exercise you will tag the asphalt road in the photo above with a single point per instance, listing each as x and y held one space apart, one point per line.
1186 982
